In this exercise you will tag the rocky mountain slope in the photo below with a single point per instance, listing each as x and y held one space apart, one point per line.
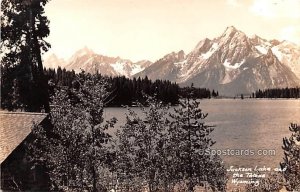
89 61
232 63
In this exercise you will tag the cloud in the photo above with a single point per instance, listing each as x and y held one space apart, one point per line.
289 9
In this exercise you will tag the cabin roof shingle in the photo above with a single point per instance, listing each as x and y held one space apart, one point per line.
14 128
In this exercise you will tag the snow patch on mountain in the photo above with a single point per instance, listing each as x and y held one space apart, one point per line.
289 54
180 64
261 49
118 67
136 69
230 66
126 68
278 53
211 51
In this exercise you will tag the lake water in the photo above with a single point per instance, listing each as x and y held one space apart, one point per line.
245 124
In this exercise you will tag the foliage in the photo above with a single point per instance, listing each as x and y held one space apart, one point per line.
75 149
198 93
272 183
60 77
140 153
165 152
291 161
23 29
189 139
130 91
124 91
277 93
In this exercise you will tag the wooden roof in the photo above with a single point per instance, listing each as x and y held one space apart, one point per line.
14 128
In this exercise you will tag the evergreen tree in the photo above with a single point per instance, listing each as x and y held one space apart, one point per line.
214 94
23 29
242 96
278 93
189 139
124 91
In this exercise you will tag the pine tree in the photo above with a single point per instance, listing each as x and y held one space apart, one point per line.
23 29
189 139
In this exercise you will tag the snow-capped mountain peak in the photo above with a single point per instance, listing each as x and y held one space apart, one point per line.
91 62
231 63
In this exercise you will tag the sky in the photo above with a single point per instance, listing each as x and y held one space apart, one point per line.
150 29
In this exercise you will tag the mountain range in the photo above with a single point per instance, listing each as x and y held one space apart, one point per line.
232 63
91 62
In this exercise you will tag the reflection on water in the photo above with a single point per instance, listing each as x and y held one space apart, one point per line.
244 124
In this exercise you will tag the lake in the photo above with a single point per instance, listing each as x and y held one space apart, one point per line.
250 124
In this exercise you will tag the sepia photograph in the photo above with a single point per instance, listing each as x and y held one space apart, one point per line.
150 96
